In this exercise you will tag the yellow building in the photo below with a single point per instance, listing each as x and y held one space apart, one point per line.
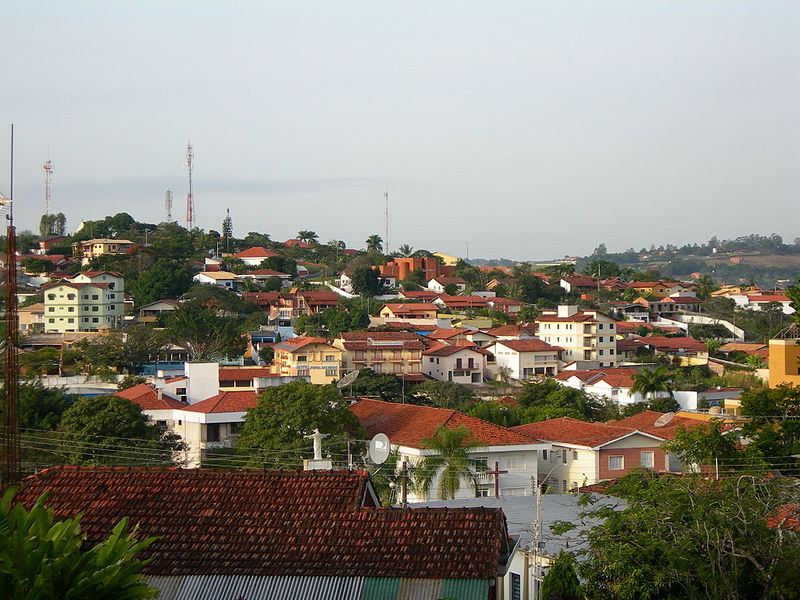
88 301
89 249
784 357
395 352
306 356
449 261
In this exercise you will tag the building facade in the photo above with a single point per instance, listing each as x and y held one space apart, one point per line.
87 302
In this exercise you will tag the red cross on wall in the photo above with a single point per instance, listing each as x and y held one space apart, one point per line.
497 472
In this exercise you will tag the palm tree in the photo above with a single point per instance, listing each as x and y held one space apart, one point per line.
649 382
374 243
451 462
307 236
405 250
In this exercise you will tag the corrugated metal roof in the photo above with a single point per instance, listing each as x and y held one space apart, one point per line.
379 588
466 589
419 589
235 587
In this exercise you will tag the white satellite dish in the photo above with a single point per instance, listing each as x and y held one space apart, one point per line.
664 419
379 448
348 379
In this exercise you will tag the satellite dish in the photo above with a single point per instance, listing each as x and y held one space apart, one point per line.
379 448
664 419
348 379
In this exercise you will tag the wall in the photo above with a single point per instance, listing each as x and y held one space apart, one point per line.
784 362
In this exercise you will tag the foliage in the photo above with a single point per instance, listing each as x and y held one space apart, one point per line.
604 269
109 430
444 394
774 424
130 381
281 264
309 237
165 279
53 224
39 361
385 476
376 385
374 243
705 445
450 461
694 538
333 321
549 399
219 298
495 412
286 413
561 581
204 334
37 265
650 382
44 559
107 353
367 281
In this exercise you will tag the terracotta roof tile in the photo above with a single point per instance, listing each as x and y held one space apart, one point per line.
527 345
409 424
572 431
259 523
225 402
256 252
145 396
242 373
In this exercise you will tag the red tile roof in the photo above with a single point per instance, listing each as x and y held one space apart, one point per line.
278 523
242 373
145 396
645 421
580 281
447 350
266 273
572 431
408 424
579 317
421 295
507 330
411 307
362 340
256 252
225 402
464 301
673 344
528 345
446 334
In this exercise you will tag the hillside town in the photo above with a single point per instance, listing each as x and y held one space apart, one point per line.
402 379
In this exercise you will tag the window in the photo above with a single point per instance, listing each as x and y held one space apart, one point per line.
611 351
70 320
71 309
331 372
70 296
514 462
544 454
86 296
95 320
85 319
51 309
648 459
95 308
330 358
51 296
575 455
95 297
302 358
616 463
430 359
212 432
516 587
600 339
563 486
51 320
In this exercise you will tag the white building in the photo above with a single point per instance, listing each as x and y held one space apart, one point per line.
585 335
459 363
86 302
526 358
221 278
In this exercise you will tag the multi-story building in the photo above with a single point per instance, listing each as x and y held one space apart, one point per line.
526 359
86 302
306 356
784 357
461 362
89 249
398 352
585 335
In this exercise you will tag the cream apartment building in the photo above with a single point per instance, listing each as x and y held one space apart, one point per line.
86 302
585 335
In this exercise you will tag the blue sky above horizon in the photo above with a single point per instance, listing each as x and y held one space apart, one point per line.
529 129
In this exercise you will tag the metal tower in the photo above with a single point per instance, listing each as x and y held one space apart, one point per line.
48 176
189 195
168 205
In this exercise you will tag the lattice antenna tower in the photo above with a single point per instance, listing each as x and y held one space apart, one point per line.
168 205
386 241
48 177
189 195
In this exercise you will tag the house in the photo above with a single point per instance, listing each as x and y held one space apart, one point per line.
84 303
461 303
578 283
512 332
308 357
685 350
261 276
460 362
784 357
401 268
89 249
585 453
407 425
478 337
410 310
756 301
587 336
632 311
225 279
420 295
48 242
31 317
150 312
262 535
438 284
654 289
311 303
525 358
255 256
394 352
669 306
506 305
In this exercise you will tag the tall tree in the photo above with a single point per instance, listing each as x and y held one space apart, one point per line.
374 243
405 250
561 581
204 334
227 230
307 236
449 460
367 281
649 382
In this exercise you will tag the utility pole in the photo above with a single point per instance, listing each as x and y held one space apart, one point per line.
386 242
190 194
168 205
48 177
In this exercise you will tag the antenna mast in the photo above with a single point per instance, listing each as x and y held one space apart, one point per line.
168 205
11 447
190 195
386 242
48 176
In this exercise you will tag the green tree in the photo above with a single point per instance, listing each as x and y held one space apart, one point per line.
374 243
307 236
561 581
42 558
376 385
37 265
649 382
40 361
706 446
367 281
549 399
449 460
165 279
204 334
773 427
227 230
444 394
695 538
282 264
405 250
109 430
286 413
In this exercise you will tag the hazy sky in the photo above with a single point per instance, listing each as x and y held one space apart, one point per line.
528 129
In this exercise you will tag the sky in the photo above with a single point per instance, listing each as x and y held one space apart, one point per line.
521 129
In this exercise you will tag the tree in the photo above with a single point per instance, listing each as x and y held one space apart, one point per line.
41 361
204 334
450 461
165 279
109 430
367 281
649 382
282 264
376 385
695 538
374 243
405 250
601 268
774 424
286 413
444 394
561 581
227 230
42 558
549 399
114 351
307 236
705 445
37 265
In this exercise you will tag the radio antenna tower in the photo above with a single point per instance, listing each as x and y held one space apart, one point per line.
48 177
189 195
386 241
168 205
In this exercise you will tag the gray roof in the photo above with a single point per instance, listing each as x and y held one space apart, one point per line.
519 511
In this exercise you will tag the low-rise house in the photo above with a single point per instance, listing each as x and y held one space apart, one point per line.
31 317
461 303
149 312
654 289
585 335
480 338
632 311
614 384
585 453
407 425
401 268
464 364
438 284
255 256
86 302
755 301
578 283
225 279
669 306
526 358
506 305
261 276
685 350
48 242
311 303
89 249
410 310
261 534
420 295
396 352
513 332
308 357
